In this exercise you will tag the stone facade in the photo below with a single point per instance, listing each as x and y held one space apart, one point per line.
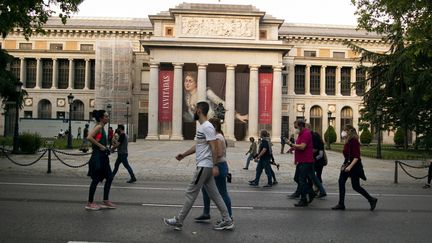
311 68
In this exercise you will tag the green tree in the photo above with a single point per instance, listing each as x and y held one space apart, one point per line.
330 135
400 78
366 137
399 137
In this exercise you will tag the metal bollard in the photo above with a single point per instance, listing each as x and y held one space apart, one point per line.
396 172
49 161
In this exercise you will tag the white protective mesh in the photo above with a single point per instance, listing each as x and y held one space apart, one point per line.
113 84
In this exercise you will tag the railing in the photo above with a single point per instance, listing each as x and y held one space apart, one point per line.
403 166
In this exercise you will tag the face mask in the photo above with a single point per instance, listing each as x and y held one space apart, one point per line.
297 131
343 134
196 117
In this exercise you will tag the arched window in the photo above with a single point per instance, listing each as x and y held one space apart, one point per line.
346 116
77 110
44 109
316 119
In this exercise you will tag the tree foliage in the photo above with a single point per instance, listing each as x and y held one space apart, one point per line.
366 137
330 135
400 78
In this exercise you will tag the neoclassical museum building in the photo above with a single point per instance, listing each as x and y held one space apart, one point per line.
152 71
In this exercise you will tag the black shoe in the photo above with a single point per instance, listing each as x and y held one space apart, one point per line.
268 185
202 218
301 203
321 196
275 182
253 184
294 196
373 203
131 180
245 168
252 181
338 207
311 197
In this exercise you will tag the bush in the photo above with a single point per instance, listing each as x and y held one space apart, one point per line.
330 134
6 141
399 137
366 137
29 143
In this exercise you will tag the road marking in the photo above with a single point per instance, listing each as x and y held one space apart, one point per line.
266 191
180 206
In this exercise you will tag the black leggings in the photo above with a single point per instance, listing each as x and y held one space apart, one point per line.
93 187
355 182
429 173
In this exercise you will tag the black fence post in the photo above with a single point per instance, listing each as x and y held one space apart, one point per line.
396 172
49 161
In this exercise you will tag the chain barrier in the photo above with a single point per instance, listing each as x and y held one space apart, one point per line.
402 165
72 166
71 154
20 164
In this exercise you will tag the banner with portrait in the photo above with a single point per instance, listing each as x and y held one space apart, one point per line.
265 87
165 95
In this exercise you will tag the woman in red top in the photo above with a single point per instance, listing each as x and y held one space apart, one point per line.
352 167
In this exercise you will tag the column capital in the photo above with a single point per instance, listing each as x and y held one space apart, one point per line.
202 65
354 67
230 66
308 65
70 59
323 66
338 67
54 58
278 68
38 58
87 59
22 58
178 64
254 67
154 64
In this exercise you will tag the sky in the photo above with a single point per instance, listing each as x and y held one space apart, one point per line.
331 12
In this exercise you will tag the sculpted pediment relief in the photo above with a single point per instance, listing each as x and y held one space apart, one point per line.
224 27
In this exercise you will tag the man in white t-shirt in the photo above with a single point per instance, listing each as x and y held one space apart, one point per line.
206 159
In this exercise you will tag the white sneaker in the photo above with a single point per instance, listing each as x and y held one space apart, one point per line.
173 222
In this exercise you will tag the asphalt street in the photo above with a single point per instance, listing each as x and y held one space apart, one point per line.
50 208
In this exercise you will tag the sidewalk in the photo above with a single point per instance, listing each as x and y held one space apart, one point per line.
154 160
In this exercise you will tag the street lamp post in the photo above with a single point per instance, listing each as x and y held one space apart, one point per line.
109 114
379 115
127 117
70 98
18 89
329 114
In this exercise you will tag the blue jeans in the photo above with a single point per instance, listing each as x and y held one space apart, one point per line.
263 164
305 171
250 157
123 159
221 183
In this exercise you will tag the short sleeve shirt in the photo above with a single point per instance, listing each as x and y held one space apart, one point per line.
265 145
205 132
306 155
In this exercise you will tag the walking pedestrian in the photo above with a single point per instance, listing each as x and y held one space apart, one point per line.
263 159
303 158
252 152
429 177
352 168
79 133
206 159
99 167
221 179
121 144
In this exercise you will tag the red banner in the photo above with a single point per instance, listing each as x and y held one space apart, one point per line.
165 95
265 91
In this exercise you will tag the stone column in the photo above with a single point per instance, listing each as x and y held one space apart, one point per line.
38 74
71 74
307 80
177 117
87 74
277 103
202 82
253 101
353 80
153 103
338 81
337 123
323 80
54 74
230 102
291 77
23 71
368 83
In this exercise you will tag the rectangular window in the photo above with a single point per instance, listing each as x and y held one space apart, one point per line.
47 72
25 46
330 87
169 31
284 84
28 114
315 76
346 81
338 54
15 67
30 73
299 79
79 71
56 47
86 47
145 80
360 81
63 74
92 74
310 53
263 34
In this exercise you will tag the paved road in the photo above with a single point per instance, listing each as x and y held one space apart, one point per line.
50 208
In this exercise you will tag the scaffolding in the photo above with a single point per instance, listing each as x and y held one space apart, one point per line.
113 81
